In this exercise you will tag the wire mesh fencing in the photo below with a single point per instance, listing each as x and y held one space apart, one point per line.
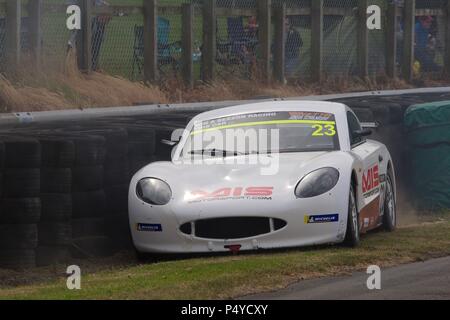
2 34
117 46
340 39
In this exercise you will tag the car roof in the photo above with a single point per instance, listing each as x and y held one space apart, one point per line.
271 106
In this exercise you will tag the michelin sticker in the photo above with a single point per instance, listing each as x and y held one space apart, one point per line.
322 218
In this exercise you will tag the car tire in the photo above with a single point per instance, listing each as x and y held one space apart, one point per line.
18 236
20 210
55 233
56 180
389 210
88 227
22 153
87 178
57 153
56 207
88 204
18 259
46 256
2 155
352 236
89 150
21 183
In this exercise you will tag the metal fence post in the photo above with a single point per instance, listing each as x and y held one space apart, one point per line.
280 43
316 39
150 41
209 40
35 12
391 40
409 36
447 40
264 35
84 41
363 39
13 24
187 39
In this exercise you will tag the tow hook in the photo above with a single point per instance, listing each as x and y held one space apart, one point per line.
234 248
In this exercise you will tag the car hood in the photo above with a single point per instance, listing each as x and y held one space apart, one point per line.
279 171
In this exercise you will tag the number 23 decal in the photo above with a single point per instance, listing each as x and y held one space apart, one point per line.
324 130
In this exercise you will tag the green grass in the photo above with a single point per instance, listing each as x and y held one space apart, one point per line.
231 276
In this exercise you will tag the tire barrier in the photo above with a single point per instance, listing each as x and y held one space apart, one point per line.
64 189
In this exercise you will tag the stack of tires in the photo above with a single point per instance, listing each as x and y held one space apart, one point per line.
142 147
20 205
88 197
55 229
116 188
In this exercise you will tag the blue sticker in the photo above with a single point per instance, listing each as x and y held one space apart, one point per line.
149 227
325 218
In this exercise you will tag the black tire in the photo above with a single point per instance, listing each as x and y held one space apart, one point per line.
381 113
87 178
18 259
22 153
89 150
1 183
352 236
23 183
92 247
141 148
55 233
88 227
57 152
46 256
117 171
20 210
117 199
364 115
390 206
2 155
18 236
396 113
89 204
56 207
56 180
118 230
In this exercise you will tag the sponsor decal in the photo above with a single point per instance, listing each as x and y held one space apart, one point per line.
371 181
146 227
323 218
236 193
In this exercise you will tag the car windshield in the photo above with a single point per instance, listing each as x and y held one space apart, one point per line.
262 133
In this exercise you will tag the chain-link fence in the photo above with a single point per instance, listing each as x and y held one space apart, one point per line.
55 35
2 34
118 41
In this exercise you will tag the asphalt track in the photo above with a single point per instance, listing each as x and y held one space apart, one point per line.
429 280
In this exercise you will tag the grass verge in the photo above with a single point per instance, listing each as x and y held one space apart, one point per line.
231 276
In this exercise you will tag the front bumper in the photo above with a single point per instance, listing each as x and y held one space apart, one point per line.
158 229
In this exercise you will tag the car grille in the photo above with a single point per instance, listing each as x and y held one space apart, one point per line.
232 228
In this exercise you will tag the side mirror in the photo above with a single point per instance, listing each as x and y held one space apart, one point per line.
174 139
362 133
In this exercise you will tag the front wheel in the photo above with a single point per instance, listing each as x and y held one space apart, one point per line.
352 234
390 212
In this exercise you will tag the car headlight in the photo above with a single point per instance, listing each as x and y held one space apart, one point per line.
153 191
317 182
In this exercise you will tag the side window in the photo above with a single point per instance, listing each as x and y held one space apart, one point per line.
353 126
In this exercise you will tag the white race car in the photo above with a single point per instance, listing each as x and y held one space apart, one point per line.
262 176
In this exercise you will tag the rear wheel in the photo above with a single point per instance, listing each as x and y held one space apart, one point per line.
352 235
390 212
